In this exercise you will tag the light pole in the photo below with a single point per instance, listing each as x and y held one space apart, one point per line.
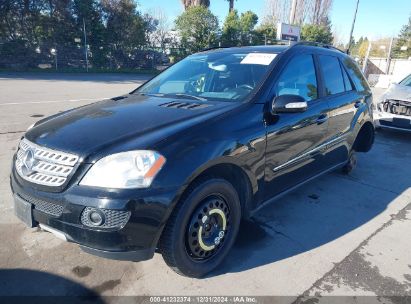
85 44
352 26
54 52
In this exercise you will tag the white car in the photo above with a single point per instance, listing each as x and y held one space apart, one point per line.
394 110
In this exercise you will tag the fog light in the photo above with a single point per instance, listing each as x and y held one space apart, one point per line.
104 218
96 217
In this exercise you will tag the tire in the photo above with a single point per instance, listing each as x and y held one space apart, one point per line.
351 163
208 205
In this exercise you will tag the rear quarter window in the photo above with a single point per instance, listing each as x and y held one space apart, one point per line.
356 75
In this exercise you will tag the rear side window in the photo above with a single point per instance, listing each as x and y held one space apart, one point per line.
298 78
355 74
333 77
347 82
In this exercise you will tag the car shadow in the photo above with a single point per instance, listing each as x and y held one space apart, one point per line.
325 209
16 285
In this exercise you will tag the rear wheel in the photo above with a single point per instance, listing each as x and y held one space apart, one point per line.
351 164
202 228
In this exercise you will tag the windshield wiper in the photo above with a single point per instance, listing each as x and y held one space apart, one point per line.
152 94
189 96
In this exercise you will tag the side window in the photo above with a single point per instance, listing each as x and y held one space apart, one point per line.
298 78
355 74
333 77
347 82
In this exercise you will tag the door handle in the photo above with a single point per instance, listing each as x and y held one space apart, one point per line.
323 118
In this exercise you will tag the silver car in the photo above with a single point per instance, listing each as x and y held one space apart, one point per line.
394 110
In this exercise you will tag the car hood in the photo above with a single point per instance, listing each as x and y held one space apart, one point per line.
398 92
91 128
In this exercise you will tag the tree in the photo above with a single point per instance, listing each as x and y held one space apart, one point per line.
190 3
90 12
311 11
277 11
230 5
321 10
316 33
265 33
363 47
248 21
231 29
126 30
158 29
404 40
239 30
198 28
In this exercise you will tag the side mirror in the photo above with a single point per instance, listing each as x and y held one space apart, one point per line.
288 104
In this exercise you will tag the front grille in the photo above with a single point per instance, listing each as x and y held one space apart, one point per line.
42 165
43 206
113 218
398 107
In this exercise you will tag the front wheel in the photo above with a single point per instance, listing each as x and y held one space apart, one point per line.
202 228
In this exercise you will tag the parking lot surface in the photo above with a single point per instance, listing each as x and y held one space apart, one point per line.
337 235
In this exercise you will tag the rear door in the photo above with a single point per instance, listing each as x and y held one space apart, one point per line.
293 151
343 101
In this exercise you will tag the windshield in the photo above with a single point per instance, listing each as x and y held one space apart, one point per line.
406 81
216 76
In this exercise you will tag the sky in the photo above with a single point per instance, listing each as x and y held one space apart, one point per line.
375 18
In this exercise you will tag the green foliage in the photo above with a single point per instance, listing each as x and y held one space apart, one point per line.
239 31
118 35
125 30
231 29
404 39
198 28
115 32
248 21
266 33
316 33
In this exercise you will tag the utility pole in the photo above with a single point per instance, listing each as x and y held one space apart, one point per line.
352 26
387 68
293 11
55 57
364 66
85 44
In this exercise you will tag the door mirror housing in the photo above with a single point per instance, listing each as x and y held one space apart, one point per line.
288 104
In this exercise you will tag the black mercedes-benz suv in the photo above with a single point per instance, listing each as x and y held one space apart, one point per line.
175 165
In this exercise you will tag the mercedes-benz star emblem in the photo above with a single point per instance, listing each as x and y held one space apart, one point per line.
28 162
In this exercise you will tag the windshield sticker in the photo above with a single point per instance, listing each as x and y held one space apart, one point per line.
258 58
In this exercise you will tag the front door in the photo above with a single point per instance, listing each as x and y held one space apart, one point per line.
295 140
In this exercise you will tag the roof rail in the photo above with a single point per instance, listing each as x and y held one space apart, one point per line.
311 43
214 48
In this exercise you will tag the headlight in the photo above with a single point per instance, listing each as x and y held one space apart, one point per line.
133 169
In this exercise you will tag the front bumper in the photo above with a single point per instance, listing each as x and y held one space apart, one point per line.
392 121
135 241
